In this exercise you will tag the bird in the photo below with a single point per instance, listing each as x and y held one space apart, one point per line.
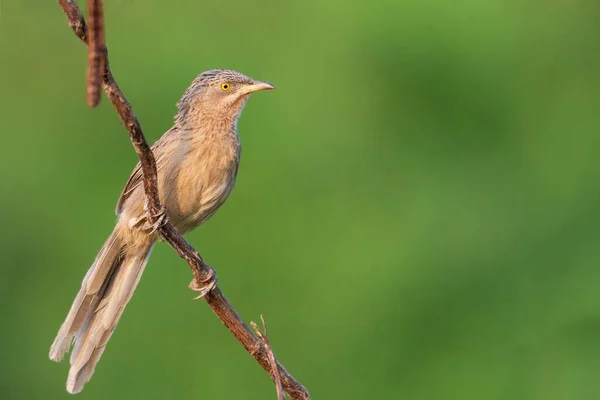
197 163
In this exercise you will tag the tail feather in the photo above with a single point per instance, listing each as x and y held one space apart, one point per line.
105 291
87 299
91 342
108 259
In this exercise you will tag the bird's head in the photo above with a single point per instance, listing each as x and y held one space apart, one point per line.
217 96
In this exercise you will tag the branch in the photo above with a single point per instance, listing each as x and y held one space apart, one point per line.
202 272
95 52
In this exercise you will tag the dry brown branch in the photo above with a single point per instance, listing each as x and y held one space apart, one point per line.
203 274
95 69
265 339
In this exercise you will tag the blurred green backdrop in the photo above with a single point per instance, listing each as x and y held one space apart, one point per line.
416 213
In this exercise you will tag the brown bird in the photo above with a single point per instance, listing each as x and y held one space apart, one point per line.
197 161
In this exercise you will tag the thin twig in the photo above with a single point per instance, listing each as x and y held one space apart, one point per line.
264 337
95 69
203 273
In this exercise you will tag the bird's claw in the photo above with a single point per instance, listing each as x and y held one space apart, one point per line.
205 286
161 219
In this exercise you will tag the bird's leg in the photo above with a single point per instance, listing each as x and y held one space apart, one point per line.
161 220
203 287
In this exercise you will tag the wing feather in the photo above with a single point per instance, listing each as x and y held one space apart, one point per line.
136 177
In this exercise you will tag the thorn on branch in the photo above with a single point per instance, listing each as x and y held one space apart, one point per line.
272 360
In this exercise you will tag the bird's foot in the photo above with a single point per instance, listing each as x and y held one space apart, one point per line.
161 219
205 286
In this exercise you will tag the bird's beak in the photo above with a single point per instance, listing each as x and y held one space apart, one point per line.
257 86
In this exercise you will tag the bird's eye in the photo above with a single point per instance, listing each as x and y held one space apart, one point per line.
225 86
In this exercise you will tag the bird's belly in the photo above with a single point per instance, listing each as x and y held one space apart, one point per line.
197 209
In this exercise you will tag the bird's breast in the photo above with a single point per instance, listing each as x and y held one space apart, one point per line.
201 182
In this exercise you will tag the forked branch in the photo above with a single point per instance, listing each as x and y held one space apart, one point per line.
203 273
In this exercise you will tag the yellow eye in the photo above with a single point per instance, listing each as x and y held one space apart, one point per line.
225 86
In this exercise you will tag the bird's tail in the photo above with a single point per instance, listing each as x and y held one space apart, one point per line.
105 291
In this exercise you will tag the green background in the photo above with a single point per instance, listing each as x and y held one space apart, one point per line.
416 214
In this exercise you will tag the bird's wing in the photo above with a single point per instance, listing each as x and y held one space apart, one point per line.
136 177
